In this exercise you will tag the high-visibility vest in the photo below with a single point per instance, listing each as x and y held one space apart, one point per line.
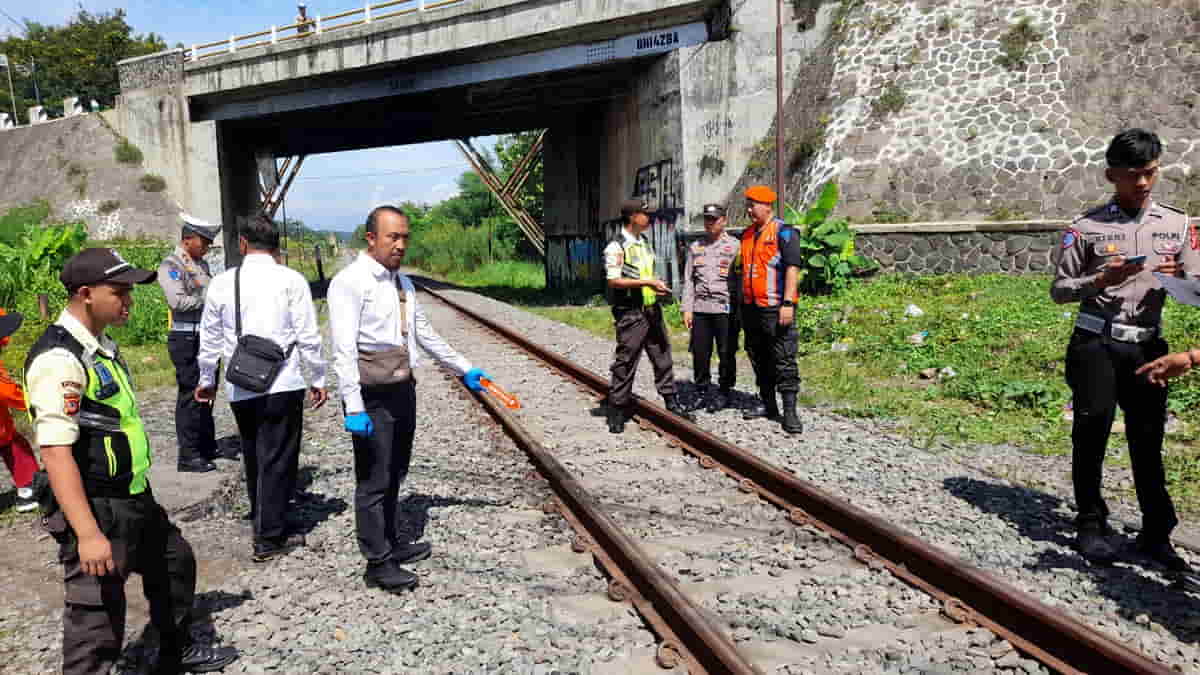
763 271
637 263
112 451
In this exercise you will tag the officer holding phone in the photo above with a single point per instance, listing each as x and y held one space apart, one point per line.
636 296
1106 262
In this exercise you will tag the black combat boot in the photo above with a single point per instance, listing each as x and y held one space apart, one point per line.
673 405
389 576
717 401
791 420
1093 545
767 408
1160 550
616 419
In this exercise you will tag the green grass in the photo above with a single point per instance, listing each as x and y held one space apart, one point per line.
1001 334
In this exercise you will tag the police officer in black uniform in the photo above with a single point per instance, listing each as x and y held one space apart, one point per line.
1106 262
637 297
102 512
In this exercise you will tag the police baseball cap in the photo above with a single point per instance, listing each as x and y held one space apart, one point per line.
100 266
714 211
632 206
200 228
9 323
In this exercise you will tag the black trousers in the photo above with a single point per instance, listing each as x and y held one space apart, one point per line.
270 428
639 329
771 348
706 330
381 465
145 542
1100 373
193 420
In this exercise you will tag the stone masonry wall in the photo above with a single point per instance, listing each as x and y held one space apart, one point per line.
971 252
971 137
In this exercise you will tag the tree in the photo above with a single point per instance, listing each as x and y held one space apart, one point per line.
77 59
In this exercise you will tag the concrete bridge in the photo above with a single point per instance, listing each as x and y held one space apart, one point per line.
640 97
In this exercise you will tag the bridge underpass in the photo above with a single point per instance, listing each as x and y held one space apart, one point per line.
603 78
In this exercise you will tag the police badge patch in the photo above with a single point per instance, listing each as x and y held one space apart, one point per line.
1069 238
174 274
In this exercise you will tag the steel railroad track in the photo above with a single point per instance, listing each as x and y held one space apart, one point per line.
966 594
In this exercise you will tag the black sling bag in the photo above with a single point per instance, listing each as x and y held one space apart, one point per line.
257 360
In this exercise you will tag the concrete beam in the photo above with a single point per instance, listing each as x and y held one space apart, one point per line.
492 28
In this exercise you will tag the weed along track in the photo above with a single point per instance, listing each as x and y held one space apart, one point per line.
737 565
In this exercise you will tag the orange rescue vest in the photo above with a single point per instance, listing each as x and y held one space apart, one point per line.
763 271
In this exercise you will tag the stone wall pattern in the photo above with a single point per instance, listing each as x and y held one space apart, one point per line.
965 252
164 68
974 137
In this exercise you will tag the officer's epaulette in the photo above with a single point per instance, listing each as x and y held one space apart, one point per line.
1168 207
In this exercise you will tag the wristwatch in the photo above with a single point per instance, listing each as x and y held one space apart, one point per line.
789 303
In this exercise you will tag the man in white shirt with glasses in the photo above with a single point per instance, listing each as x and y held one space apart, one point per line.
377 326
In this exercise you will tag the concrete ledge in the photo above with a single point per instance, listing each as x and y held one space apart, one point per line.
964 226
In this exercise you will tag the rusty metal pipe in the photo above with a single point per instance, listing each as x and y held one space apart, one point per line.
1056 633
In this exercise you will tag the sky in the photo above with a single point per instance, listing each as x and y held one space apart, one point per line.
333 191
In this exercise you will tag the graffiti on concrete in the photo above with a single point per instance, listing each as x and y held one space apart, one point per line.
656 184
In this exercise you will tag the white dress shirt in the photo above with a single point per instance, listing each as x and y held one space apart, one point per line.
276 304
364 314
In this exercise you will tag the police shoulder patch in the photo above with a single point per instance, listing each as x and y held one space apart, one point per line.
1070 237
174 274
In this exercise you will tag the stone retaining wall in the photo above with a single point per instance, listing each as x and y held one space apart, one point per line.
945 252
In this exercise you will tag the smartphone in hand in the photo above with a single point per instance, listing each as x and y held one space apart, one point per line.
1136 260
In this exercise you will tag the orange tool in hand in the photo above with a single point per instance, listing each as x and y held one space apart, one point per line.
494 389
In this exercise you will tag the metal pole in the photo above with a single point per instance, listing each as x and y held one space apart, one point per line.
13 93
779 106
37 94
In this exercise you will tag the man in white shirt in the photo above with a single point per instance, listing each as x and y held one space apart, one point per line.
377 326
276 304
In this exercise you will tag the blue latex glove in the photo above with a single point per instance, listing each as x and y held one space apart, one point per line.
359 424
472 379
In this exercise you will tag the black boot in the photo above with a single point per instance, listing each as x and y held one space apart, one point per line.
673 405
1093 545
718 401
1160 550
767 408
616 419
206 658
791 420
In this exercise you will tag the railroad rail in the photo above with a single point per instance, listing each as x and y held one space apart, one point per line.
966 593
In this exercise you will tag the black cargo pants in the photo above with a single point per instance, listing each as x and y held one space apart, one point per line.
771 348
638 329
194 426
1101 375
145 542
707 329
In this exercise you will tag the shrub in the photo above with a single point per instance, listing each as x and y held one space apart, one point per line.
18 219
828 246
892 100
1015 44
127 153
152 182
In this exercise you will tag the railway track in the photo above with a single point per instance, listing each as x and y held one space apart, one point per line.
710 567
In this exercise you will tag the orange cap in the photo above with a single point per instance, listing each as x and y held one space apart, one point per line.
760 193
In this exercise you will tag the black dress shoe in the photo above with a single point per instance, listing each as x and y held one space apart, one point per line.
404 554
1094 546
389 576
1163 553
267 548
206 658
672 404
196 465
617 417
